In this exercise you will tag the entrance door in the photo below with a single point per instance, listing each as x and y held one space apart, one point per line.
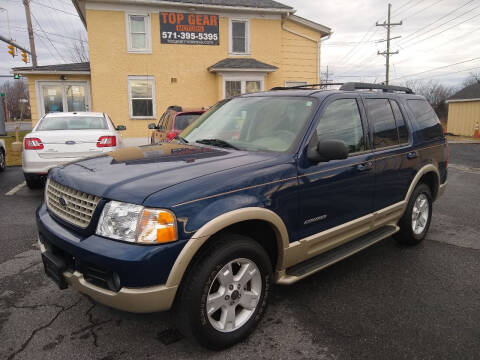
61 96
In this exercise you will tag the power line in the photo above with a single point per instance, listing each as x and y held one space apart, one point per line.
451 73
440 18
50 41
437 68
411 7
440 32
56 9
420 11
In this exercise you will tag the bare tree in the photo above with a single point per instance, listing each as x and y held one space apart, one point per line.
473 78
435 93
16 99
79 50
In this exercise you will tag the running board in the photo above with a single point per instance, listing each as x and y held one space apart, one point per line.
319 262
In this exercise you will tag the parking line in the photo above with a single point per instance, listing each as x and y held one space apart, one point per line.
16 189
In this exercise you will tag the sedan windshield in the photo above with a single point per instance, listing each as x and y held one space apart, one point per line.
72 123
253 123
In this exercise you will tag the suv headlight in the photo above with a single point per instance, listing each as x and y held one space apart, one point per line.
136 224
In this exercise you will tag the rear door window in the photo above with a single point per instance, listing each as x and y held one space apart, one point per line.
401 125
426 118
183 120
341 121
384 126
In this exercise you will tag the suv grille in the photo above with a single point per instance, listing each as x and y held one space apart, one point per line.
71 205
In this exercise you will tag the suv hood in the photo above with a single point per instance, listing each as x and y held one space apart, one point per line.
132 174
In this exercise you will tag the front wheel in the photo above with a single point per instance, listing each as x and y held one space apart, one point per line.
225 292
33 181
415 222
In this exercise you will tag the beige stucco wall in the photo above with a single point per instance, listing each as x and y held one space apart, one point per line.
462 117
111 64
32 90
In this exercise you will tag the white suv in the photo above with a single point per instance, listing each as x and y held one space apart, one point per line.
59 138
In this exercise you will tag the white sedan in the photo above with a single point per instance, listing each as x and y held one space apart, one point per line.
59 138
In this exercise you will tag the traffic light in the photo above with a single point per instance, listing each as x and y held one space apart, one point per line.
11 50
24 56
16 76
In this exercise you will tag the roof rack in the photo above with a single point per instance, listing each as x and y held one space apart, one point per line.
352 86
306 86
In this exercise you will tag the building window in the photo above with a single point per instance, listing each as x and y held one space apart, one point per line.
237 85
233 88
141 92
138 33
295 83
239 37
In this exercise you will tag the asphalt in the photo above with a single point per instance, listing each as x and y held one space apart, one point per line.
387 302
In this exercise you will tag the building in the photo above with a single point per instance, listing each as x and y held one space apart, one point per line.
464 111
146 55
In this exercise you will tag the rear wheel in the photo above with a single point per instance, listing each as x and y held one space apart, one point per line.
415 222
3 162
33 181
225 292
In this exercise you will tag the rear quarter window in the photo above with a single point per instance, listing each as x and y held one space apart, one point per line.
426 119
183 120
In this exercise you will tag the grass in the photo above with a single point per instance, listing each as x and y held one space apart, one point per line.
13 158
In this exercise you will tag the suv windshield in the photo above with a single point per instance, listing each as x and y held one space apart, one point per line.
72 123
253 123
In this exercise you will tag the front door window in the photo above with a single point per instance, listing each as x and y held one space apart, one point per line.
238 86
233 88
63 96
76 98
53 99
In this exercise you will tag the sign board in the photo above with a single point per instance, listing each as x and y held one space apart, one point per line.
190 29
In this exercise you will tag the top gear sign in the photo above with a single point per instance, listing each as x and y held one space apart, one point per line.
191 29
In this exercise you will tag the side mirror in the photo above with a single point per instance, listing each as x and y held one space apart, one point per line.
328 150
152 126
121 127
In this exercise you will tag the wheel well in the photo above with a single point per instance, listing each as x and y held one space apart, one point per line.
431 180
258 230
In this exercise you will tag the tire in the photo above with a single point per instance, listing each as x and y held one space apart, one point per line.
33 181
407 235
3 160
204 278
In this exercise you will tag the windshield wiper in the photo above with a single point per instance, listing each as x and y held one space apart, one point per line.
185 141
217 143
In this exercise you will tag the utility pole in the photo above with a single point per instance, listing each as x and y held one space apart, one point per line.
33 53
388 24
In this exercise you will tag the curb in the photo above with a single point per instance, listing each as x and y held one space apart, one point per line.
463 142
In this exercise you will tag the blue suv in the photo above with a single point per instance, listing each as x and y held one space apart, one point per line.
264 188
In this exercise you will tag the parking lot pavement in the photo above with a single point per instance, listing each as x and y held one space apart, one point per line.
386 302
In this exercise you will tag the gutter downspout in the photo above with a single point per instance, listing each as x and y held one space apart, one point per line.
318 42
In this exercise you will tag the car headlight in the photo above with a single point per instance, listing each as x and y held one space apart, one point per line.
136 224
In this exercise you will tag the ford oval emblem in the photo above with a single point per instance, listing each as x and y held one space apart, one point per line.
63 202
70 142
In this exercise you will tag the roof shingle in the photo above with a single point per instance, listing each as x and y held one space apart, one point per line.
241 63
469 92
262 4
84 66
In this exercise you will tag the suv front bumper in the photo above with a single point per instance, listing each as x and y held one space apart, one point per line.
135 266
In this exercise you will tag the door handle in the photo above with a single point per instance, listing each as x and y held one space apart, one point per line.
412 155
365 166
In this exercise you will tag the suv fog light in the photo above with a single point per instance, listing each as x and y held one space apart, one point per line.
116 281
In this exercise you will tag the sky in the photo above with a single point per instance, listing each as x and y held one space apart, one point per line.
439 38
